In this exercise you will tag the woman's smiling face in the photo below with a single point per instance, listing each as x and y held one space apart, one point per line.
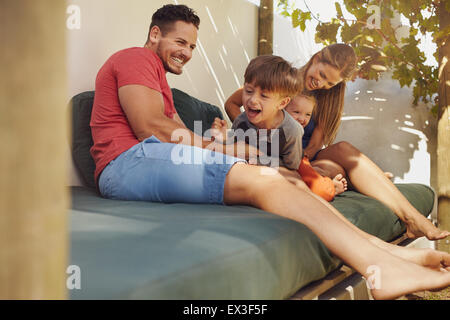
321 76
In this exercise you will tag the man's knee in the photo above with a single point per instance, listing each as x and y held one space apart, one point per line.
245 183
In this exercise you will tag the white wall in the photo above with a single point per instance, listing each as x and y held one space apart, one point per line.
379 117
227 41
380 120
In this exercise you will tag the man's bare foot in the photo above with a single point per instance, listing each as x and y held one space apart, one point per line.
340 184
429 258
419 226
399 277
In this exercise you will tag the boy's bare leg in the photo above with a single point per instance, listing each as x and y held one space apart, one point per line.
367 178
425 257
272 193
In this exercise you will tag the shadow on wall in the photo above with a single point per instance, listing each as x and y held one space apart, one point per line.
227 40
380 120
226 44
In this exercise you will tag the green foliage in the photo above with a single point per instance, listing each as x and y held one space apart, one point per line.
299 19
380 49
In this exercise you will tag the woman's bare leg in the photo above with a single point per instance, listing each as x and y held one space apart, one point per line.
273 193
366 177
425 257
328 168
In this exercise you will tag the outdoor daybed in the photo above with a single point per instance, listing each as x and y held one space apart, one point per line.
145 250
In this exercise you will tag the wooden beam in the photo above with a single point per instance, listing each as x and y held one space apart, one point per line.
33 161
265 27
443 135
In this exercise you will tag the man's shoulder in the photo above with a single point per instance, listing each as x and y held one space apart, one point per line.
134 53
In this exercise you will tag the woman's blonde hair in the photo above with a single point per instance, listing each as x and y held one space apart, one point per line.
331 101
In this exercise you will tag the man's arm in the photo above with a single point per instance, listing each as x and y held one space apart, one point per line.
177 118
233 104
144 108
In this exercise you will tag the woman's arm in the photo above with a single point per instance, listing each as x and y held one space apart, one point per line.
315 144
233 105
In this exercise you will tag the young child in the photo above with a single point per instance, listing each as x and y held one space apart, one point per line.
301 109
270 82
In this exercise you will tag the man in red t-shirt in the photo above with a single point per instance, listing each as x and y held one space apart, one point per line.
133 124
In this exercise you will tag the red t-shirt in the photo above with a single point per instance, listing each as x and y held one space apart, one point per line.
111 132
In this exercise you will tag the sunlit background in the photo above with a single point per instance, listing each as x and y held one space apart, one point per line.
379 117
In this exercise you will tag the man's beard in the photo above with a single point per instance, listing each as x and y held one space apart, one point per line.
166 66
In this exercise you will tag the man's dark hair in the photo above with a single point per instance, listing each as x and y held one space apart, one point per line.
167 15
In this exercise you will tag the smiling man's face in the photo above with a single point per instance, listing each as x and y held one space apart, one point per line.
176 46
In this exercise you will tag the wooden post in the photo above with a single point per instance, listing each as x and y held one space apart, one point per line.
265 27
33 161
443 136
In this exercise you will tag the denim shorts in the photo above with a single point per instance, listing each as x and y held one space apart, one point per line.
166 172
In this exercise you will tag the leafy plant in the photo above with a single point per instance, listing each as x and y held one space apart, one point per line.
378 46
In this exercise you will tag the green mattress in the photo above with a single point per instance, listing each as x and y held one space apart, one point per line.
144 250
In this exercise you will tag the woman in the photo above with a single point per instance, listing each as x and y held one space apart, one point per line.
325 75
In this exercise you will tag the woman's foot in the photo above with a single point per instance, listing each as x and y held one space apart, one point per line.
340 184
419 226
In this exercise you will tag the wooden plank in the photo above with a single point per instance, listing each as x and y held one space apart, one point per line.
33 143
265 27
315 289
443 132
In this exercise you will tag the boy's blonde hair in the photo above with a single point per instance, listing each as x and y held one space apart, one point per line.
310 96
274 74
331 101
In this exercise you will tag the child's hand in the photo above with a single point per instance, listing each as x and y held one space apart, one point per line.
219 129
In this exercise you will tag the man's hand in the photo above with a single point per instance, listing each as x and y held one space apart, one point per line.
219 130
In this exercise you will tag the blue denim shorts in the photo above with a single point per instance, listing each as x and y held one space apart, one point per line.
166 172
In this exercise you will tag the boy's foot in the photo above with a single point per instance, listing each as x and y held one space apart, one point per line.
340 184
389 175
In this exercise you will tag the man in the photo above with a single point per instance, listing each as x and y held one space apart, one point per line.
133 121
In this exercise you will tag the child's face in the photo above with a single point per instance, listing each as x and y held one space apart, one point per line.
301 108
262 106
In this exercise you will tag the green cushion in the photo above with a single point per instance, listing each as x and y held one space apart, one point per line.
188 108
191 109
144 250
81 105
